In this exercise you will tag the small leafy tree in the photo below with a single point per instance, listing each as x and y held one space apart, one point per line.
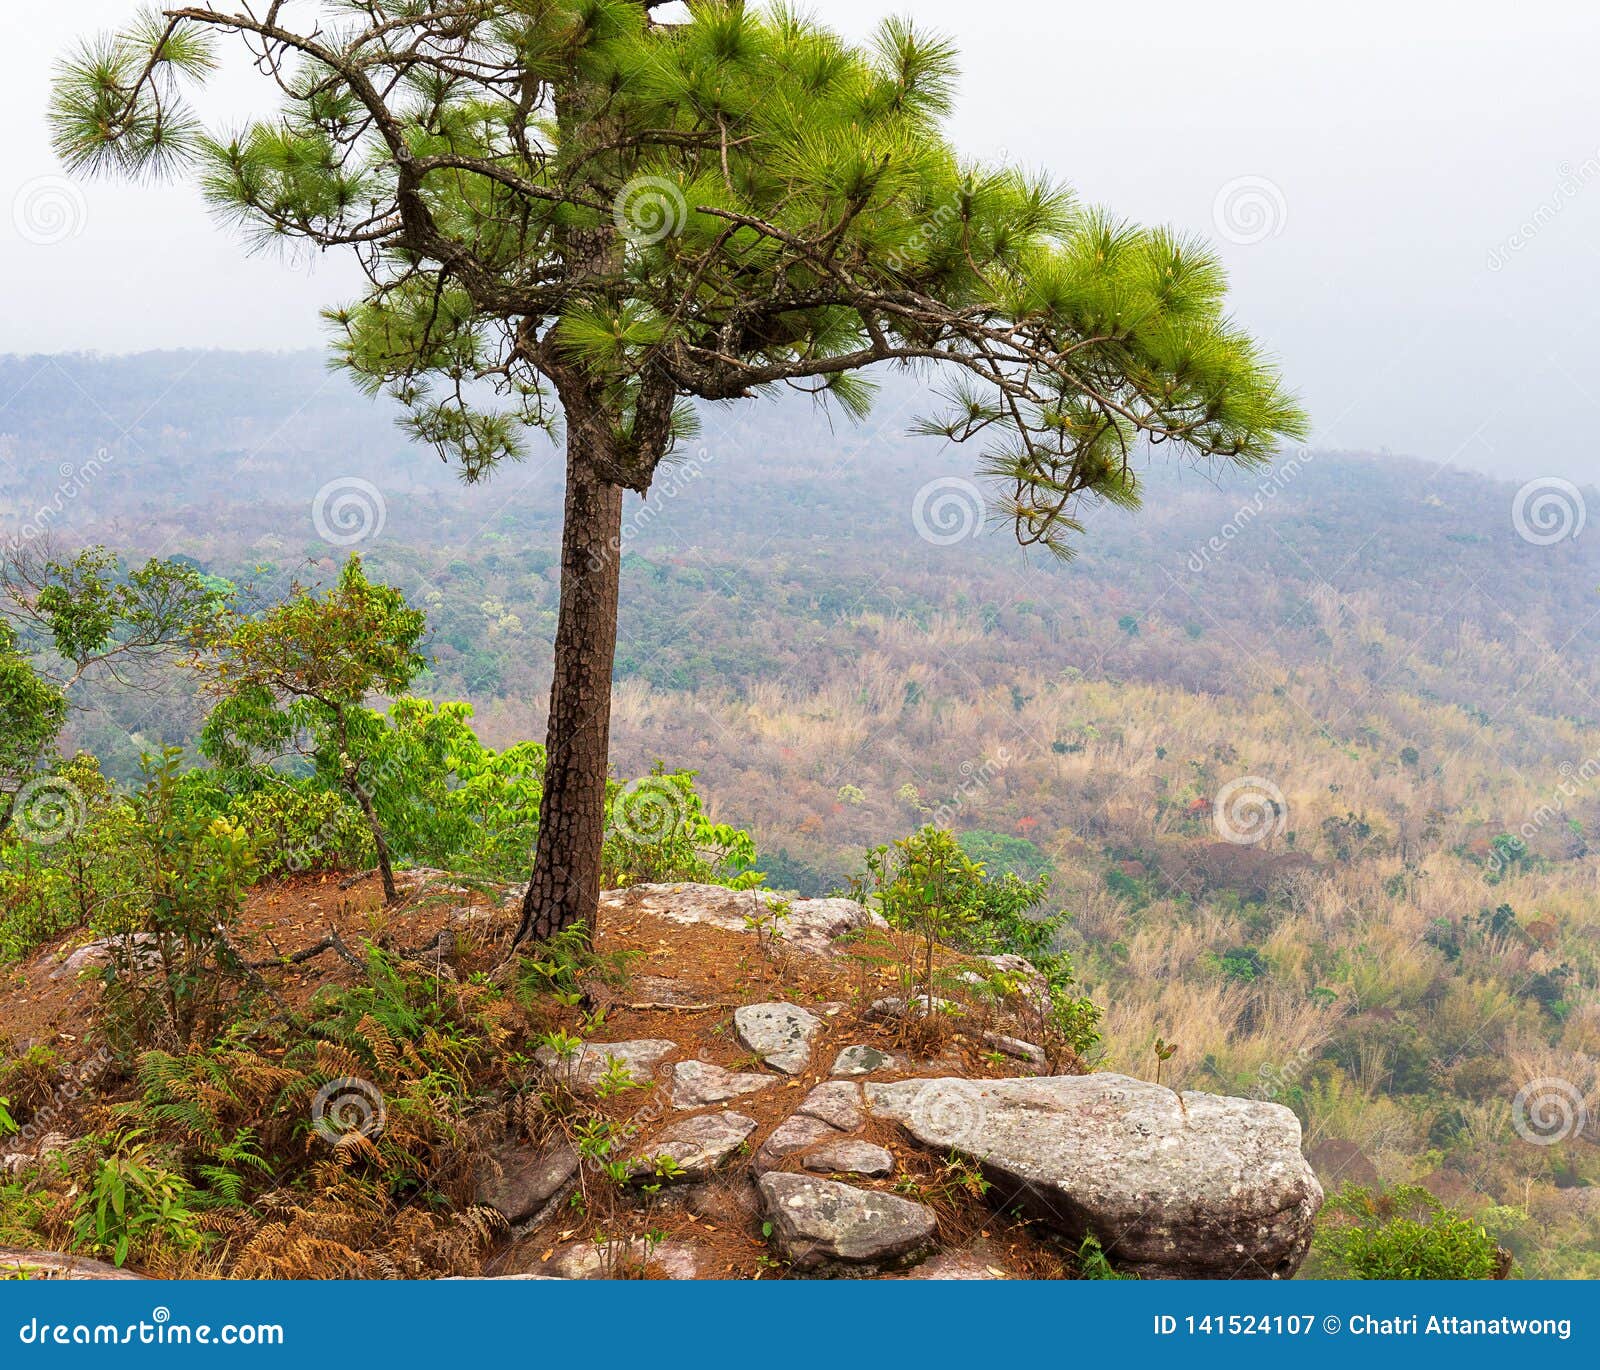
63 621
297 679
927 884
578 218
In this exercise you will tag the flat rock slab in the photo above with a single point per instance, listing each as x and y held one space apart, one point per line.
794 1135
822 1223
850 1157
700 1145
622 1260
957 1265
1197 1187
863 1060
813 925
519 1181
780 1034
56 1265
638 1057
1014 1047
837 1103
698 1083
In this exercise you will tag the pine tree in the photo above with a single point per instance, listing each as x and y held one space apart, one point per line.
575 217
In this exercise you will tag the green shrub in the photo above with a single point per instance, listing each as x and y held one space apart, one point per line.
1403 1233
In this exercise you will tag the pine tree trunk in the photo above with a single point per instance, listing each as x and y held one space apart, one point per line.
565 888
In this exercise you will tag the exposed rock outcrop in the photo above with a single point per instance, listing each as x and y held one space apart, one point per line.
1174 1186
813 925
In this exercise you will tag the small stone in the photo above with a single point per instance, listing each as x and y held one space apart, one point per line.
957 1265
817 1223
140 951
780 1034
894 1007
862 1060
1014 1047
837 1103
700 1145
637 1057
792 1135
520 1181
850 1157
698 1083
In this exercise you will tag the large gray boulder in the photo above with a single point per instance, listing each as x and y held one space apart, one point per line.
826 1226
1191 1186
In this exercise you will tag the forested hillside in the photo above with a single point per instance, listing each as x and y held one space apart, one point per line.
1312 758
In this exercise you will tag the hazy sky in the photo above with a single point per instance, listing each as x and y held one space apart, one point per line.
1407 196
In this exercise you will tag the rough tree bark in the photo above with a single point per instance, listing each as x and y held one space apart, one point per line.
565 887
